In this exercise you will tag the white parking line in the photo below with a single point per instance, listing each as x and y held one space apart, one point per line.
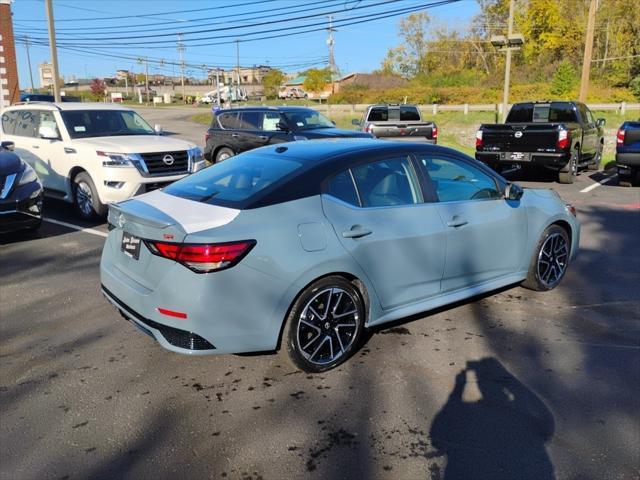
598 184
76 227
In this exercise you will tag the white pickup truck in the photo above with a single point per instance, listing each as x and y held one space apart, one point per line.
91 154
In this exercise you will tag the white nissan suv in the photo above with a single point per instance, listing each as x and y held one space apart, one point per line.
90 154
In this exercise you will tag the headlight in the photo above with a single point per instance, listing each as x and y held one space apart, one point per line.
28 175
116 159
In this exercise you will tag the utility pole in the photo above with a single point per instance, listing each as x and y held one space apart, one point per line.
588 51
26 44
218 86
180 52
146 76
332 60
54 52
507 66
237 92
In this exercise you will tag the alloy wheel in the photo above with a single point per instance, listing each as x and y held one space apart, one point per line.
328 326
84 198
553 259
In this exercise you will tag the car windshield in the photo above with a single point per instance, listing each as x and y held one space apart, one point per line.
234 180
104 123
307 119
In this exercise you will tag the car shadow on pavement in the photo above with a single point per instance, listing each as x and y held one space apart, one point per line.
493 426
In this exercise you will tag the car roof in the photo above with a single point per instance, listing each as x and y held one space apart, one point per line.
284 108
68 106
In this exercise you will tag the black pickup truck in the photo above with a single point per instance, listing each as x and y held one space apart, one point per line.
236 130
397 122
628 153
561 136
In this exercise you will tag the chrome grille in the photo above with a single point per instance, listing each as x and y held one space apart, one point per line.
157 166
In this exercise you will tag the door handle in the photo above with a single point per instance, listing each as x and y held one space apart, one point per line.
457 221
356 232
35 146
263 137
235 135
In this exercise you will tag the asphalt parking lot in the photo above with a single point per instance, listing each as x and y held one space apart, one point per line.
532 385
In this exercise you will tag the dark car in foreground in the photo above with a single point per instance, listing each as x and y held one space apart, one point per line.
397 122
20 193
237 130
312 243
561 136
628 153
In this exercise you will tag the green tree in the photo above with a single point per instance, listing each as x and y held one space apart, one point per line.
316 79
634 85
564 80
271 82
409 59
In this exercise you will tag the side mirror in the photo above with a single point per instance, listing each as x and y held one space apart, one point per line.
48 132
513 191
7 145
355 122
282 127
601 122
158 129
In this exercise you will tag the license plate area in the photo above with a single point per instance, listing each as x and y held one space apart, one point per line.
517 156
130 245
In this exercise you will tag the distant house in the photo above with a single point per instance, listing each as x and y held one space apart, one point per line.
295 82
371 80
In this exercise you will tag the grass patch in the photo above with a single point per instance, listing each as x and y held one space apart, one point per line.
202 118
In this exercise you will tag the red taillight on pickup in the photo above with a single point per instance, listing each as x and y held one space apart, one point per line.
203 258
434 134
478 138
563 139
620 137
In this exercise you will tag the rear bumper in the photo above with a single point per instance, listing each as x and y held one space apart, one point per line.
410 139
553 161
629 159
22 209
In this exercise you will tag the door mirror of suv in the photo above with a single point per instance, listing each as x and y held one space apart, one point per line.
601 122
158 129
282 127
513 191
7 145
355 122
48 132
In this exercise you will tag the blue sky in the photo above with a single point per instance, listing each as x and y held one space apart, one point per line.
91 38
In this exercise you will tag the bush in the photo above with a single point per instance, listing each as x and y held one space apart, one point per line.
634 86
564 81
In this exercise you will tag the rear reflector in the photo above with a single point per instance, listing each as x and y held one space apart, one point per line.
202 258
171 313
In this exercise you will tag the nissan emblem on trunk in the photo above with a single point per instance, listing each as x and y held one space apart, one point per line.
518 134
168 159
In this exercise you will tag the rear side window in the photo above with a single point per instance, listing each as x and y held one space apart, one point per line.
9 121
235 180
387 183
341 187
378 114
27 123
228 120
251 121
409 114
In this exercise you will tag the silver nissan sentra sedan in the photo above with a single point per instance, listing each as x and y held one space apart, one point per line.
310 243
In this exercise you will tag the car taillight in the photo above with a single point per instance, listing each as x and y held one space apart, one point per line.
207 136
563 139
434 134
478 138
620 136
203 258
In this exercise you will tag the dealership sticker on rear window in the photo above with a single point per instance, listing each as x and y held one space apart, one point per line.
80 128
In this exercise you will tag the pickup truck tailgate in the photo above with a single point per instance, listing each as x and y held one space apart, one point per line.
529 137
406 129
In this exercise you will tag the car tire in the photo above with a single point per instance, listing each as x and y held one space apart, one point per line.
85 198
223 154
570 170
550 260
597 159
325 325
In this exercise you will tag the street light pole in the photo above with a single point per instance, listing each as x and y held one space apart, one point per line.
507 65
54 52
588 49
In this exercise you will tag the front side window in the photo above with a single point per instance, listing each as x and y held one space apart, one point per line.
104 123
387 183
307 119
9 121
27 123
456 181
